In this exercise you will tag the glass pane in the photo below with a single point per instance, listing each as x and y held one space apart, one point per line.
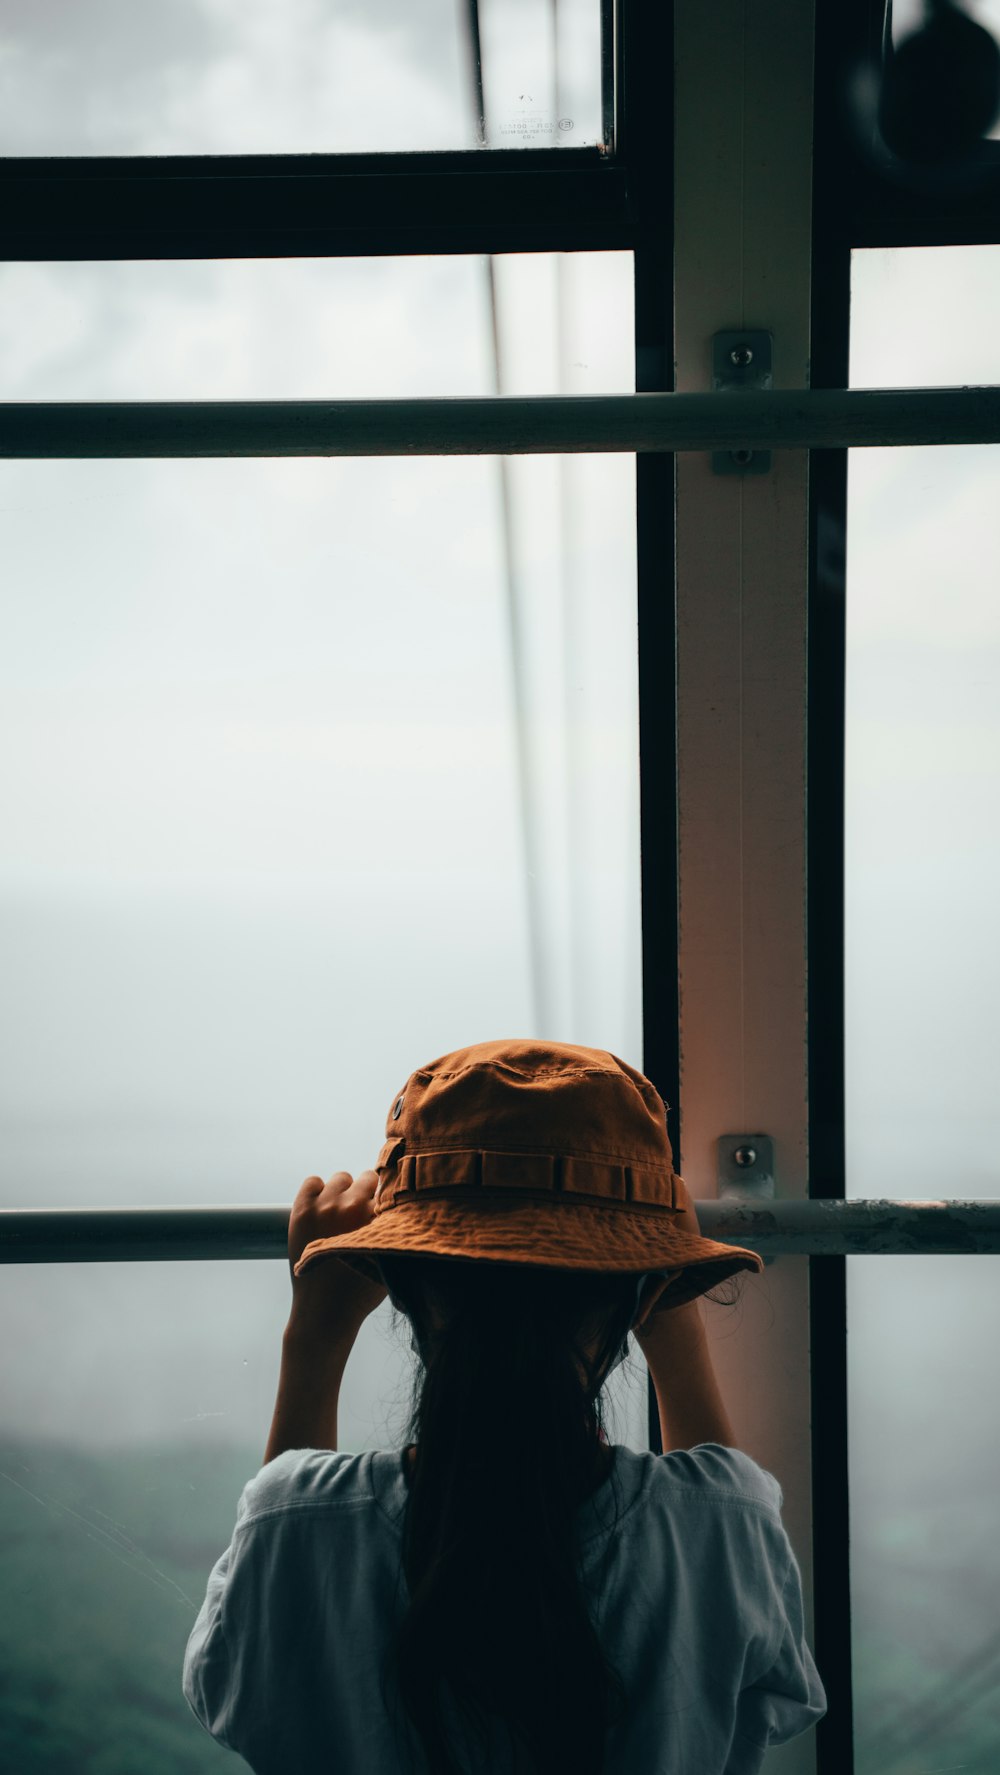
263 850
300 329
108 77
922 1049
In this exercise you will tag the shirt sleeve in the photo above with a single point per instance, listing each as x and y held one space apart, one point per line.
788 1696
207 1675
221 1678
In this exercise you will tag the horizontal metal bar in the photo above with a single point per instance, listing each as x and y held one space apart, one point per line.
41 171
254 206
795 1228
769 419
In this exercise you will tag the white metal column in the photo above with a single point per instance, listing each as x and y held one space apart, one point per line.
743 145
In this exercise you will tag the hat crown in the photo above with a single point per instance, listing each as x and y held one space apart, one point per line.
525 1095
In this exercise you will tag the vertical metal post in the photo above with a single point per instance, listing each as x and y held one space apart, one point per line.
742 243
838 31
657 735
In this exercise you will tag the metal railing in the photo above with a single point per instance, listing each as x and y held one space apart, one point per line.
751 419
816 1228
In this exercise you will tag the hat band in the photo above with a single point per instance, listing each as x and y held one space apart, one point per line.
479 1169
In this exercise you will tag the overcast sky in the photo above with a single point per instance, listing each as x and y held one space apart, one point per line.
247 76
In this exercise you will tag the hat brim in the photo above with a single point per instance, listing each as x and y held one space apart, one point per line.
580 1236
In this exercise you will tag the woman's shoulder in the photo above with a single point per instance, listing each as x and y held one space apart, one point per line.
302 1478
713 1470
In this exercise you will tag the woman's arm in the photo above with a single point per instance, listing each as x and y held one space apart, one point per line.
691 1408
312 1368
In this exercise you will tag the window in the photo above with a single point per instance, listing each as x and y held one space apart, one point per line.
280 797
233 687
922 880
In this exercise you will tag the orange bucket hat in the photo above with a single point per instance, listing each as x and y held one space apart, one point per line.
532 1152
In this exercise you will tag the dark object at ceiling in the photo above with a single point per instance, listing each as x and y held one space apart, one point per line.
940 88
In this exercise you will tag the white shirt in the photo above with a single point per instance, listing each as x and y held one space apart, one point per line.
700 1607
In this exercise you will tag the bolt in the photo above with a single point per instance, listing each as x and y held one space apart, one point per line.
745 1156
741 356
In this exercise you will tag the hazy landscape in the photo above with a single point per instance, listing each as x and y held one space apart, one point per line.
103 1566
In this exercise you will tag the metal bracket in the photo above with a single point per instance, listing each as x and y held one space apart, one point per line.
741 360
746 1166
746 1169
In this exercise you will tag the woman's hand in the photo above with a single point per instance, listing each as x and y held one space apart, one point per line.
329 1293
651 1319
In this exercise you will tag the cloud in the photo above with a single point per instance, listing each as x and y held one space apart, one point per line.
216 76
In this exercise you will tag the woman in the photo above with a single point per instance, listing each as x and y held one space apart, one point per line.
511 1593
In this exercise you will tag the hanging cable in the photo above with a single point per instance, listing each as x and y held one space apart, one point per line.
574 801
541 1000
474 49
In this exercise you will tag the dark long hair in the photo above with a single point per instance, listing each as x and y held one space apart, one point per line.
506 1415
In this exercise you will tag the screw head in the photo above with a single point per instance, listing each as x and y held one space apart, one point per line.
745 1156
741 356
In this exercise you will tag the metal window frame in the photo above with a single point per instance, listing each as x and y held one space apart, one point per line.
344 205
843 33
853 207
565 201
478 201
